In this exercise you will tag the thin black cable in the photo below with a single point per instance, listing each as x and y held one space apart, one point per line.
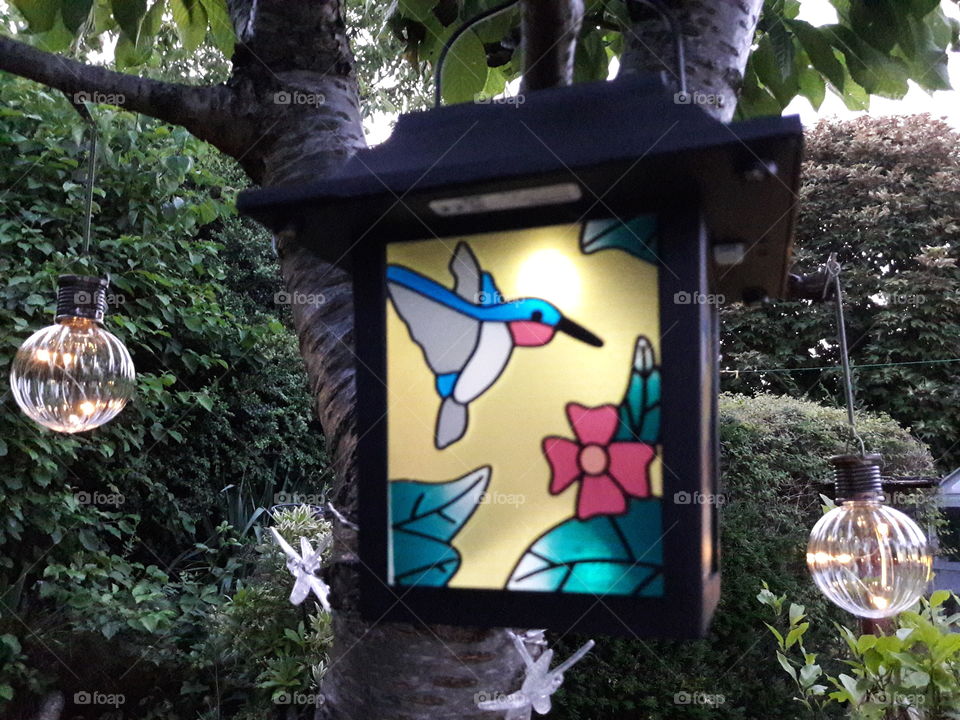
679 45
84 113
91 174
833 270
441 58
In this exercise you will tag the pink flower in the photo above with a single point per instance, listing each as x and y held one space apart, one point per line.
608 471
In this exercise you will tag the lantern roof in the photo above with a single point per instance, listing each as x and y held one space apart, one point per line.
560 155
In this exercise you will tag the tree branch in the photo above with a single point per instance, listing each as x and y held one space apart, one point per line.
550 31
204 111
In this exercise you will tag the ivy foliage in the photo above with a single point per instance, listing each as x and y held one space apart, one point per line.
116 545
883 194
774 462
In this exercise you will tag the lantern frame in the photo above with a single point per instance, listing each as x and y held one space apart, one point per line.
725 201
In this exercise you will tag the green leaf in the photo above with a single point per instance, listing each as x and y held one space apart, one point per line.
128 14
129 54
819 50
179 164
783 48
608 554
150 621
417 9
75 13
809 675
812 87
767 67
465 69
39 14
221 26
876 72
776 634
590 61
854 96
191 21
785 664
850 685
755 101
939 597
795 635
796 613
425 517
150 25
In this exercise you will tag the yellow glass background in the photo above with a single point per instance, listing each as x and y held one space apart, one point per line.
611 293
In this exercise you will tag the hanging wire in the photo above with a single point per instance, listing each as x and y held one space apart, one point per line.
821 368
91 174
84 113
438 75
833 272
679 44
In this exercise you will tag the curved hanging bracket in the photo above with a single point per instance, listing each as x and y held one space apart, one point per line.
84 112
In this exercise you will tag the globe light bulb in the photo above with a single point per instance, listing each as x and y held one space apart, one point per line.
868 558
73 375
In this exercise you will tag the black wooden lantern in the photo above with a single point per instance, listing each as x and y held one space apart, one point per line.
536 288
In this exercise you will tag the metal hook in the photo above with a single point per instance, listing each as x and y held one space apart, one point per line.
678 40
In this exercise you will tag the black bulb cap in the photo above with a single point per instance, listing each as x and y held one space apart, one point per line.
81 296
857 477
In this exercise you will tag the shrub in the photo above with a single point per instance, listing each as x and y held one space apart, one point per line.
113 547
882 193
774 457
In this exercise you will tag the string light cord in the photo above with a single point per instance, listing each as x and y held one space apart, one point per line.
821 368
451 41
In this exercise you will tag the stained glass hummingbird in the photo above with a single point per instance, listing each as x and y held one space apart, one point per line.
468 333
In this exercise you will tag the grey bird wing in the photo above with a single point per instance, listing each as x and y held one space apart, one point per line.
451 423
466 270
446 337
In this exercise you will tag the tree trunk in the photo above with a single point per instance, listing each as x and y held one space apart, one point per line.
290 113
718 35
549 30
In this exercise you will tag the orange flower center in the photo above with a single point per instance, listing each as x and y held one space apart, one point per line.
593 459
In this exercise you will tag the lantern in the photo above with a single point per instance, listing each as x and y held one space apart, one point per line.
536 289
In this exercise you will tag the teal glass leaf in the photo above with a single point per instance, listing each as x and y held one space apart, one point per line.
605 555
636 236
424 519
640 409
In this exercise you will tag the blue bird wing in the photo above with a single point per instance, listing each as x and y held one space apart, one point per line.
491 293
437 322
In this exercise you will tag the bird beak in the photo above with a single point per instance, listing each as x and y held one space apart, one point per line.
579 332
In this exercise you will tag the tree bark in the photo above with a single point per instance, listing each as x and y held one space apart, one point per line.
718 36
